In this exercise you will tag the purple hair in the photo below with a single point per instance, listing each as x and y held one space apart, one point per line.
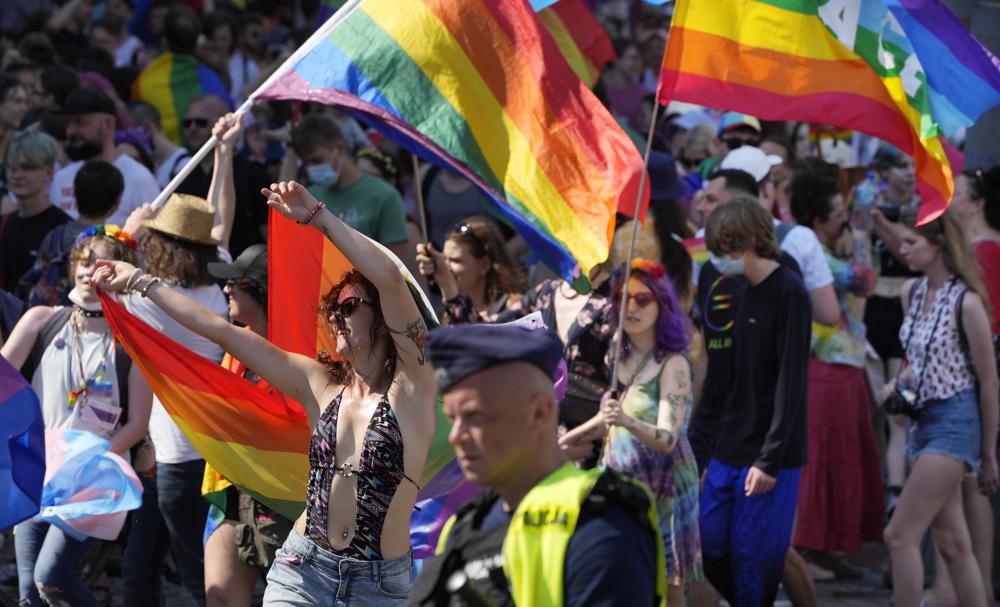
673 328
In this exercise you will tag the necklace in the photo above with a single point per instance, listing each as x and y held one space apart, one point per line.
83 381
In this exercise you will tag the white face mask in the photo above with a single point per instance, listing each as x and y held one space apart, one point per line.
323 174
728 265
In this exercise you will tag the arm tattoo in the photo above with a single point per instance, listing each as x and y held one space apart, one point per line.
676 401
417 331
681 377
664 436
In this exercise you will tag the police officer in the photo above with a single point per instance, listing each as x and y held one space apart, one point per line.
545 533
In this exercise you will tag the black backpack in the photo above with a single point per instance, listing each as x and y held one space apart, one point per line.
48 332
47 281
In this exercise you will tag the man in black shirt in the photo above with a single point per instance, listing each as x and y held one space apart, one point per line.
751 485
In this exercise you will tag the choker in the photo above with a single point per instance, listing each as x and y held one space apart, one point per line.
89 313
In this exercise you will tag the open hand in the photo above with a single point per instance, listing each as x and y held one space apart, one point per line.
111 275
290 199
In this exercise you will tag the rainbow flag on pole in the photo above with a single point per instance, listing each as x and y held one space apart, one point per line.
480 87
170 82
581 38
905 71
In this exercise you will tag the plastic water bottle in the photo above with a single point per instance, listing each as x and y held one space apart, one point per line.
864 198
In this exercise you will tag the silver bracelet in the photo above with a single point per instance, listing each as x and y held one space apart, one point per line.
150 281
131 278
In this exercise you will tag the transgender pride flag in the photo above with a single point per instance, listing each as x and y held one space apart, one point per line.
22 452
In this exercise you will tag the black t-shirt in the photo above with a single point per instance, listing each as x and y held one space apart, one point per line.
19 240
717 305
764 413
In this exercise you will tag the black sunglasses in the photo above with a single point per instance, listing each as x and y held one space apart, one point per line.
347 307
465 229
198 122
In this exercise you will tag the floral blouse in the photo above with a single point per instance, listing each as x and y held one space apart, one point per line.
588 337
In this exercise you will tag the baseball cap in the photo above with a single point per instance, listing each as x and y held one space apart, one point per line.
752 160
732 120
88 100
251 264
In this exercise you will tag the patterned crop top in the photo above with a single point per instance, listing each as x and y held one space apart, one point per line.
378 476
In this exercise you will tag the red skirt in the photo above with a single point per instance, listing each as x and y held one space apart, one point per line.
840 493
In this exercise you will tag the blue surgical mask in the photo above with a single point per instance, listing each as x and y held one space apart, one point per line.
322 174
727 265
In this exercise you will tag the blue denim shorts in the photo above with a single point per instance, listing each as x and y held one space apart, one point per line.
949 426
305 574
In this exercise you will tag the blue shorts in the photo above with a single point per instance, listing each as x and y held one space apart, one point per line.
303 574
949 426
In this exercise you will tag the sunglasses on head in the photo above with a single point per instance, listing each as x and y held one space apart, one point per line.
734 142
641 299
198 122
346 308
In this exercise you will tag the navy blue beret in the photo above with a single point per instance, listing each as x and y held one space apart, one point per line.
459 351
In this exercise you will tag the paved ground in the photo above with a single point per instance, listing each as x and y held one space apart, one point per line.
856 593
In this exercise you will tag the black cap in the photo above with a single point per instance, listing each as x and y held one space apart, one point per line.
88 100
251 264
460 351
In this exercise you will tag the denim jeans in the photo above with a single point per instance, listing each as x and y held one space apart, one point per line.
48 558
305 575
181 508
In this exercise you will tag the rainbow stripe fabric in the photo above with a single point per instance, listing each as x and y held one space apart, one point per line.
22 450
905 71
258 442
581 38
480 87
170 82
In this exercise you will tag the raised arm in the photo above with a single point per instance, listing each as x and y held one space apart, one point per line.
301 378
222 191
398 307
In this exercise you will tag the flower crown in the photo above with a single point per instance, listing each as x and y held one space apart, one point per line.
108 231
649 267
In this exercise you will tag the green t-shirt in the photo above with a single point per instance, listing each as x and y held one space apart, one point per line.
369 205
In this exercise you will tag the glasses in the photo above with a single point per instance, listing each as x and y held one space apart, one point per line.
201 123
691 163
346 308
465 229
735 142
641 299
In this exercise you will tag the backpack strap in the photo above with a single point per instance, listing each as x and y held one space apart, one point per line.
46 334
782 230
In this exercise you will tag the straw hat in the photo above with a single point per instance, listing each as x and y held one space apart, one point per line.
185 217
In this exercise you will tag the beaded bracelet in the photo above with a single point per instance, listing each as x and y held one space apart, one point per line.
312 214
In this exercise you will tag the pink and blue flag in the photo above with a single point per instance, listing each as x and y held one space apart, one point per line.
22 454
88 489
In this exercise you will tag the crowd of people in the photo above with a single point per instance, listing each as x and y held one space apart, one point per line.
825 378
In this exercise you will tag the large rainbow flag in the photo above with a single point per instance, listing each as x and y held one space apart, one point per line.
480 87
581 38
22 450
905 71
170 82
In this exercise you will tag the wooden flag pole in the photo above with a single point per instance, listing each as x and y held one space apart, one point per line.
418 191
617 340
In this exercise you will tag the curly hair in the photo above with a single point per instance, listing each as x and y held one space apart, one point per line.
182 263
673 328
83 250
340 371
482 238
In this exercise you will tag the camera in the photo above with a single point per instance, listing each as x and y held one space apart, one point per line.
903 401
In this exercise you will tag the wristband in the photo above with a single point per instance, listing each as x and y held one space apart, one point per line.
312 214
